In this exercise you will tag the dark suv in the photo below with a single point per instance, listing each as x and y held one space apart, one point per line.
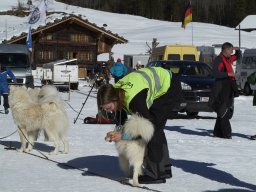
196 81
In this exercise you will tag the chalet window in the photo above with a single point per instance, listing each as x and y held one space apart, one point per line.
71 55
80 38
48 37
46 55
81 56
85 56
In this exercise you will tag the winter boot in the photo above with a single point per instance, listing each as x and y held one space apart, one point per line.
253 137
6 111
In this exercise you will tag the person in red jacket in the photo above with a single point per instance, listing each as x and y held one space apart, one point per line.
224 89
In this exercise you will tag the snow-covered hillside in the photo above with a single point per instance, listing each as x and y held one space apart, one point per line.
137 30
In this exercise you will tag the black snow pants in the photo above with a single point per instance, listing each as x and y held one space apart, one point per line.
224 110
6 103
157 161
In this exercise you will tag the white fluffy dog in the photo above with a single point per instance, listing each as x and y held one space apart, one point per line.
33 93
132 152
31 117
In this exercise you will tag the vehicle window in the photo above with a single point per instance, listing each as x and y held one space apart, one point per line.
173 57
204 70
189 57
191 70
175 70
14 60
248 62
152 64
174 67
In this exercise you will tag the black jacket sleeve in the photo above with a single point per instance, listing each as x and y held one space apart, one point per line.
138 104
121 117
238 54
216 73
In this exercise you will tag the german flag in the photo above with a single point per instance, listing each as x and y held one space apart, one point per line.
187 16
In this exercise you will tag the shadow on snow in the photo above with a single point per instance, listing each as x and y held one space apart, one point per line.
208 171
200 132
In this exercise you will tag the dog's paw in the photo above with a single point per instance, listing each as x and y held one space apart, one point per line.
64 152
20 150
135 184
27 150
54 153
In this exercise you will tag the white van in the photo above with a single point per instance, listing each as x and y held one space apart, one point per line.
245 69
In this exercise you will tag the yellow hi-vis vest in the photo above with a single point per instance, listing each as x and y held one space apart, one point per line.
156 80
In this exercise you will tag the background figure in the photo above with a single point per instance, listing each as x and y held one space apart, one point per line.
252 80
4 91
97 68
118 70
222 96
106 72
138 65
151 93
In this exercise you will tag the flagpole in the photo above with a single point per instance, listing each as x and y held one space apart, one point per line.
192 25
192 33
6 29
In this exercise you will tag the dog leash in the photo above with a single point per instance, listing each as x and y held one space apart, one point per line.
8 135
70 106
87 172
32 144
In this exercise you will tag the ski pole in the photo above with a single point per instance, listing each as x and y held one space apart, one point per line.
85 101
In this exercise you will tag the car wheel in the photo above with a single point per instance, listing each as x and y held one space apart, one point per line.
247 89
191 114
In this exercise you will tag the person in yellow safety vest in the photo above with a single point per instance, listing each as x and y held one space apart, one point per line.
152 93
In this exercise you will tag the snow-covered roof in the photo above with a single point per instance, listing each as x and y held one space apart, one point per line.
247 24
73 18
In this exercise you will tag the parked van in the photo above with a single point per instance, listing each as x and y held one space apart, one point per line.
175 52
244 69
16 57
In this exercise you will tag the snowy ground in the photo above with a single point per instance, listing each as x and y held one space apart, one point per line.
201 163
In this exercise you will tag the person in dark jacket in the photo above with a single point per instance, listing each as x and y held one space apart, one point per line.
252 80
254 104
4 72
118 70
151 93
224 89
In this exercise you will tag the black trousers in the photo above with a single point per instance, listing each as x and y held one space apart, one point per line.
157 161
225 98
6 103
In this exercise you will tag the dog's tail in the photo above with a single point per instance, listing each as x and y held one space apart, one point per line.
137 126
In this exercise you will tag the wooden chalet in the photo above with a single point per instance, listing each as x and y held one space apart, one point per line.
67 38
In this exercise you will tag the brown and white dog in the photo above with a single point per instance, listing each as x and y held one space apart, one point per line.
131 152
